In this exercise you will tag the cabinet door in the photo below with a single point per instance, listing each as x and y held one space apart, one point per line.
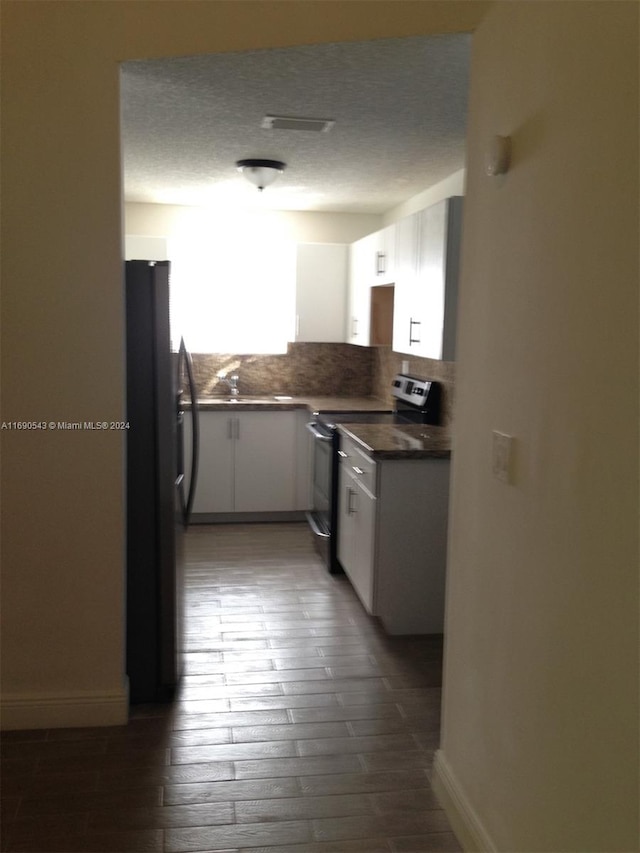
362 576
430 281
214 488
356 535
321 291
361 272
265 461
405 286
346 520
372 262
427 281
384 255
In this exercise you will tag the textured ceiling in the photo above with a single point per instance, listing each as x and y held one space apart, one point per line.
399 107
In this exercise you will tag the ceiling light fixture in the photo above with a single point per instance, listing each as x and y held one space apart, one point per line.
261 173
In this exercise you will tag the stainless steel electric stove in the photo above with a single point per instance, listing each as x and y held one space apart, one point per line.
415 401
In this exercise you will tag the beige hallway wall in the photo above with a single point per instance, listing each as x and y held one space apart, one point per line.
541 705
62 312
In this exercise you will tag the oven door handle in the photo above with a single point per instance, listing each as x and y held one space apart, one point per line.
315 432
321 534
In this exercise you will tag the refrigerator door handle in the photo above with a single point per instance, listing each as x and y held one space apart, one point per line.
180 430
195 433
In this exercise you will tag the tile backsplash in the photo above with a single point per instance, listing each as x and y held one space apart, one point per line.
321 370
387 363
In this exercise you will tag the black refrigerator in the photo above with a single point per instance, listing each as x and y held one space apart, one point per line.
158 510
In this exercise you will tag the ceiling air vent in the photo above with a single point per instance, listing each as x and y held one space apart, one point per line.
317 125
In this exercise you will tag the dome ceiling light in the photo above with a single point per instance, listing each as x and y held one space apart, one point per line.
261 173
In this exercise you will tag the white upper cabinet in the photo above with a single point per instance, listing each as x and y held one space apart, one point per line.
426 288
384 256
372 263
416 262
361 271
406 279
321 292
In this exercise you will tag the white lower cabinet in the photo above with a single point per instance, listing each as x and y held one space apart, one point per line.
216 467
392 537
248 462
357 534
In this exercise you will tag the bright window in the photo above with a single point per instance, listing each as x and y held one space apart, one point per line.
233 288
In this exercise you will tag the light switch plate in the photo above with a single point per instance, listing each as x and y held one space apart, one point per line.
502 456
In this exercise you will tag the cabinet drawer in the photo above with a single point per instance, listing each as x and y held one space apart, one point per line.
361 466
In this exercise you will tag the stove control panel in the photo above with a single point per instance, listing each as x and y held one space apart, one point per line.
414 392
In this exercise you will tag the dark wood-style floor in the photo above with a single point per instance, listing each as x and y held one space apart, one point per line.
300 726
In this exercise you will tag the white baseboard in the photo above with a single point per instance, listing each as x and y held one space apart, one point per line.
57 710
464 820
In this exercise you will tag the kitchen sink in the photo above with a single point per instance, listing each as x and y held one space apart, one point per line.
240 400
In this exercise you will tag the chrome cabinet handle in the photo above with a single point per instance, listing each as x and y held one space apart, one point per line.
350 501
413 323
381 266
343 455
358 470
354 327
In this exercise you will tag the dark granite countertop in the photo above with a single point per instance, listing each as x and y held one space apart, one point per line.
380 441
283 403
400 441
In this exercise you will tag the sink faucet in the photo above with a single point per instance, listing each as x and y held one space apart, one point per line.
232 382
233 385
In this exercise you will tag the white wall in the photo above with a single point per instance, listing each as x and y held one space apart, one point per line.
540 722
142 248
317 318
300 226
452 185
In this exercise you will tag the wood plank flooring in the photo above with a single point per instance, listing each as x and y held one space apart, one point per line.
300 727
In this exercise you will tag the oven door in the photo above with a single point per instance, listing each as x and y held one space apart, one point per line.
323 464
323 453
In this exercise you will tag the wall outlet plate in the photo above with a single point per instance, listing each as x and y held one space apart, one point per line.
502 456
